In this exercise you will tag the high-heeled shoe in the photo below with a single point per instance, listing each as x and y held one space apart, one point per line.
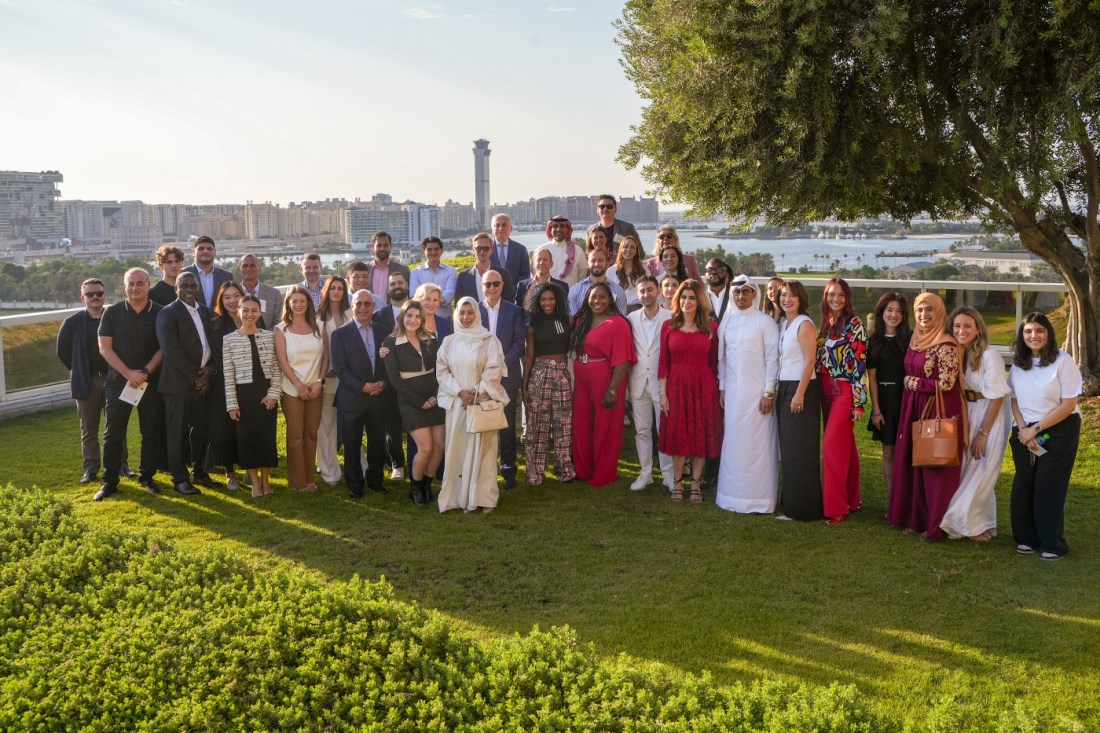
696 493
678 491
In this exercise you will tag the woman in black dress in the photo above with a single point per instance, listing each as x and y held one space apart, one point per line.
885 373
253 385
222 449
410 364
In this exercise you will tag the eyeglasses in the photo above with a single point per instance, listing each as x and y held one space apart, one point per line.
493 283
605 206
482 249
666 235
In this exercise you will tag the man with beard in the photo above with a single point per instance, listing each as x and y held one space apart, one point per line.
718 275
614 229
210 276
397 292
597 273
271 300
311 271
382 266
569 260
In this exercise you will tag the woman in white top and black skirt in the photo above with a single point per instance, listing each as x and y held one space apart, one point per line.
1045 383
799 408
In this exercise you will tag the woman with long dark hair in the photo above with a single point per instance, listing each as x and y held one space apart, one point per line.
300 349
841 363
973 509
667 236
770 303
604 350
547 391
670 261
921 495
334 312
691 423
885 371
222 447
1045 383
628 269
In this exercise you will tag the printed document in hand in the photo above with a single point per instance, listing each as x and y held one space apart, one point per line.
133 395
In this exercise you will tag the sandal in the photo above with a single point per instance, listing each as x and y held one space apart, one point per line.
696 493
678 491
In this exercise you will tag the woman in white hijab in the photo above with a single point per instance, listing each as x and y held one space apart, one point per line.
469 367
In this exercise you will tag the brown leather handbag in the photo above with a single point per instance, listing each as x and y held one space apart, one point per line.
936 438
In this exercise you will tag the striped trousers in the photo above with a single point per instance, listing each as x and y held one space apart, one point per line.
549 410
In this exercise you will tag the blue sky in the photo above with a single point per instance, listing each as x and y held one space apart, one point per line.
199 101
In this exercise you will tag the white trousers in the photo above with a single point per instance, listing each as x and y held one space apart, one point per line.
644 405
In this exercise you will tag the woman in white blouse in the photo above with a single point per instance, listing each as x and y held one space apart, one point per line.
1045 384
973 509
300 349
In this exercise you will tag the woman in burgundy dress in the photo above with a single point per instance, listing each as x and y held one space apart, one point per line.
691 423
920 496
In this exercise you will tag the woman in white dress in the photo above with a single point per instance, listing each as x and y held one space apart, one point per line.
973 509
469 367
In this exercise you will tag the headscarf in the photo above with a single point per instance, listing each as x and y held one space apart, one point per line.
743 281
570 246
925 338
474 334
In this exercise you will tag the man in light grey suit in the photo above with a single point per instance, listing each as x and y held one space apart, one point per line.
211 277
645 388
271 300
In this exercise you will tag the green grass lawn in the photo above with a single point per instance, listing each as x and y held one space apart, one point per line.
953 629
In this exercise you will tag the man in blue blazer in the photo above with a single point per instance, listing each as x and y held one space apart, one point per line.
183 332
211 277
505 321
469 281
507 252
360 398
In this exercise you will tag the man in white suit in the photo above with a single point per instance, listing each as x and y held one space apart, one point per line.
645 388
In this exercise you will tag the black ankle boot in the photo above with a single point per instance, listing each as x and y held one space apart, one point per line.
426 490
417 492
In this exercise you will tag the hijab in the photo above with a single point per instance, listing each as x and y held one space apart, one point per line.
475 333
925 338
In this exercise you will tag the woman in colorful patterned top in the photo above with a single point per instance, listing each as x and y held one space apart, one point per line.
841 363
920 496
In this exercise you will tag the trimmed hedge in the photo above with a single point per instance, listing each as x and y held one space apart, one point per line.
110 630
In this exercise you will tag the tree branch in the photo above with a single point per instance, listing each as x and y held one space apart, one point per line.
1074 221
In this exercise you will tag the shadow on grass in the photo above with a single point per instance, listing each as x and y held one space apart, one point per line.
689 587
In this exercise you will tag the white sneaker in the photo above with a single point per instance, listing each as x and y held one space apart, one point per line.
398 474
641 482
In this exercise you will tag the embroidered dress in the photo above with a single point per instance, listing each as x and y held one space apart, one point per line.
841 367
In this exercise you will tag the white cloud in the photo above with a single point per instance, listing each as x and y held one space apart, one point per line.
429 12
556 9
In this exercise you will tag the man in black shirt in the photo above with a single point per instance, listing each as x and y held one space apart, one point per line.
170 262
128 343
78 350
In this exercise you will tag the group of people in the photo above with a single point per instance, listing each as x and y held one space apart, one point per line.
728 382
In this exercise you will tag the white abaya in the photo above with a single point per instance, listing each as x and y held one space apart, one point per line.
748 366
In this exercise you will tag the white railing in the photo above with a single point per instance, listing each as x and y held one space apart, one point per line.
58 390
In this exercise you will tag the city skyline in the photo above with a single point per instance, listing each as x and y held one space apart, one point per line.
187 101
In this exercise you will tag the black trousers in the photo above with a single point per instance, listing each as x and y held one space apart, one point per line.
1039 490
351 424
151 422
394 452
508 436
187 422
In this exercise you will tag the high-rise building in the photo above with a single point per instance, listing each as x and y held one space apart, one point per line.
481 181
459 217
29 207
407 224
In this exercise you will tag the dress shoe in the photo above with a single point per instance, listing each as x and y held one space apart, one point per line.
204 480
185 488
355 494
87 478
379 489
510 481
147 483
398 473
641 482
104 491
127 472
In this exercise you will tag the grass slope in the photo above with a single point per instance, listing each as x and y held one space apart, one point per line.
943 636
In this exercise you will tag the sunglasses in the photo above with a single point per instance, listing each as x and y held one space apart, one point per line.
493 284
482 249
605 206
94 294
666 235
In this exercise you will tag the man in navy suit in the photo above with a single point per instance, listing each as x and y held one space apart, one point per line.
507 252
360 398
183 332
505 321
210 276
469 281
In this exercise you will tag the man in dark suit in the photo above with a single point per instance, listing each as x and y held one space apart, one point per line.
469 281
183 331
382 266
507 252
360 403
210 276
385 316
505 321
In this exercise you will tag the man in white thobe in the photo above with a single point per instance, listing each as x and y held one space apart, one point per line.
748 370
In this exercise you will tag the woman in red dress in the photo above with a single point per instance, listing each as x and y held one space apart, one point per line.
604 351
691 423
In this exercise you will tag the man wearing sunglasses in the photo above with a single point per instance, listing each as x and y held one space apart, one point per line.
78 349
469 281
615 229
